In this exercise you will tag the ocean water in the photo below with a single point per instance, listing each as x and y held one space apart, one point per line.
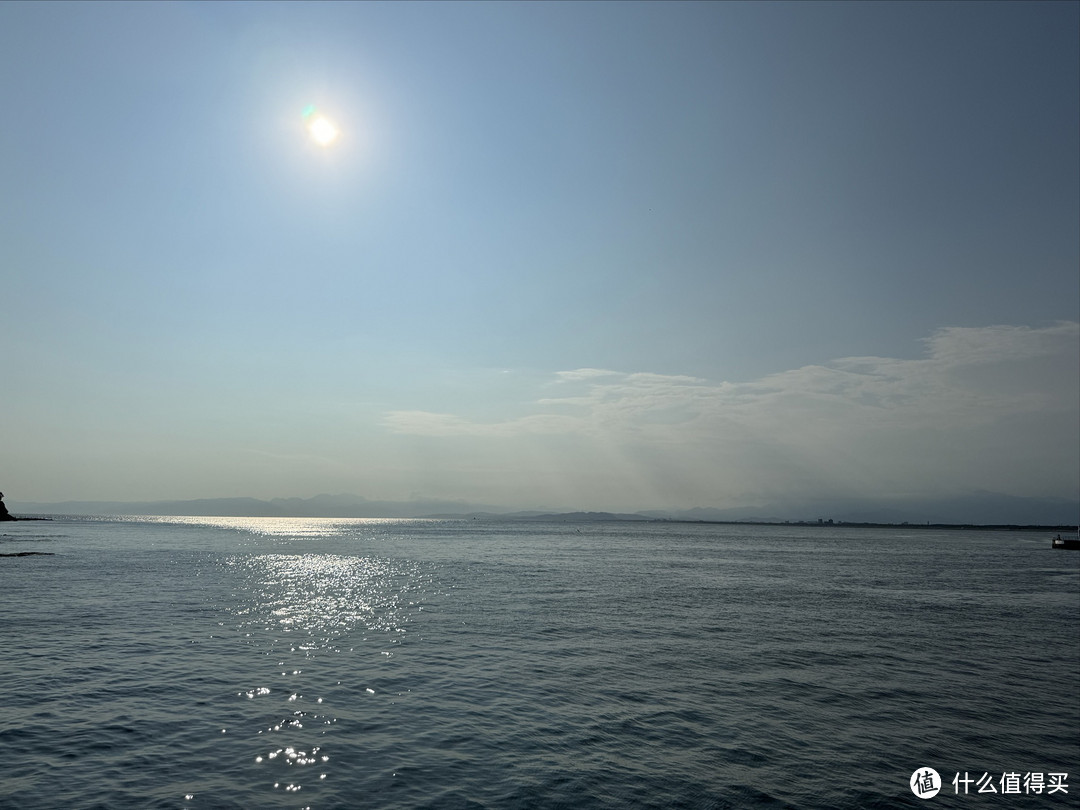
277 663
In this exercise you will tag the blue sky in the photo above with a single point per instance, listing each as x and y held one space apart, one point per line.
571 255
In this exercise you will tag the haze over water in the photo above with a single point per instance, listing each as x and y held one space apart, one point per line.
253 662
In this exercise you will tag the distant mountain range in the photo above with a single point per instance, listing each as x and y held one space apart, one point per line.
983 508
343 506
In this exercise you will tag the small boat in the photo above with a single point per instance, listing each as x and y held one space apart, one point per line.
1067 543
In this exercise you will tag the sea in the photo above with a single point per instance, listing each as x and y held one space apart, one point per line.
179 662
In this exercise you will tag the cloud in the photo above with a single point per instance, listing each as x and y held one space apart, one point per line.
993 408
995 344
424 423
585 374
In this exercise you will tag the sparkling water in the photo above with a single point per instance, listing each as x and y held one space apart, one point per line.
324 663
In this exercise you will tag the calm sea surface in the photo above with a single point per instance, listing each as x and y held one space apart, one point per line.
279 663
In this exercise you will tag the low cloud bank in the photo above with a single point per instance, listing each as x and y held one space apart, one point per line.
985 409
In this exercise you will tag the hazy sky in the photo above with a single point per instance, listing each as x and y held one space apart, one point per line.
571 255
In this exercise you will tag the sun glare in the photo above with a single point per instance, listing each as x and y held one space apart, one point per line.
324 132
322 129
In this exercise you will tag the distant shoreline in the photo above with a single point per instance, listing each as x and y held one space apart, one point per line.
1004 527
609 517
980 509
990 527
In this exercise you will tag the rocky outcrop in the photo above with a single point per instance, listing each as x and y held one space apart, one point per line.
4 514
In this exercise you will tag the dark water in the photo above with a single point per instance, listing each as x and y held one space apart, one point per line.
256 663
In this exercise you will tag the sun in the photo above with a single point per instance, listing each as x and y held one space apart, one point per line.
322 129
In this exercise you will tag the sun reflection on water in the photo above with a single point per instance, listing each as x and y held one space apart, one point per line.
322 595
274 526
326 625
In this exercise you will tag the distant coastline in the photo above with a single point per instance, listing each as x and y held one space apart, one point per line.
609 517
612 517
989 527
980 510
